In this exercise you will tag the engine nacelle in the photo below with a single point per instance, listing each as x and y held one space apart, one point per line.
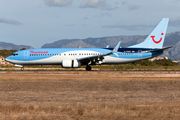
71 64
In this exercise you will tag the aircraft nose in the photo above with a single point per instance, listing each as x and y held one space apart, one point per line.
7 59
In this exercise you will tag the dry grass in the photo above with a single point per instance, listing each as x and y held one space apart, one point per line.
83 95
89 111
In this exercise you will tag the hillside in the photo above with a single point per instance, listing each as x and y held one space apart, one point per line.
172 39
95 42
10 46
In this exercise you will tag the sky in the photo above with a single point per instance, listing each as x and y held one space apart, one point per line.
36 22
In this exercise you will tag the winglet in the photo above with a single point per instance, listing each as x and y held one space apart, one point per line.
116 48
107 46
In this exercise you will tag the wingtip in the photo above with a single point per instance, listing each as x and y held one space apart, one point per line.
165 19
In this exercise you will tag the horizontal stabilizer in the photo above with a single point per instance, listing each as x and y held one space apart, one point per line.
162 49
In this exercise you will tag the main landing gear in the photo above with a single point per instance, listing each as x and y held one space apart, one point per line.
88 68
22 68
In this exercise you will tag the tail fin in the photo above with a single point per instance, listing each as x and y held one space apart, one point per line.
156 38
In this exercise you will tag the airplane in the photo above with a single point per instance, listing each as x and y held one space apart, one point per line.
151 47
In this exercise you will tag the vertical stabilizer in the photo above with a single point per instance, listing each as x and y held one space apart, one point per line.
156 38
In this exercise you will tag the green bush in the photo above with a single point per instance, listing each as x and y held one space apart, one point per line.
163 62
6 53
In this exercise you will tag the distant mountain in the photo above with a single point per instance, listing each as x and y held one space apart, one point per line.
10 46
172 39
96 42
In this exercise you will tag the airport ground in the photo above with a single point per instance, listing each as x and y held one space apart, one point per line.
94 95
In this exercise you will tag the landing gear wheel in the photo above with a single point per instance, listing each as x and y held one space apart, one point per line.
88 68
22 69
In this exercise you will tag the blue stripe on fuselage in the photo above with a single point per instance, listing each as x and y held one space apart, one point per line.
126 53
131 49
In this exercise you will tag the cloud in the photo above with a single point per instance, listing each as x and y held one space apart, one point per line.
129 27
69 25
96 4
58 3
130 6
133 7
93 4
8 21
124 3
175 22
176 1
86 18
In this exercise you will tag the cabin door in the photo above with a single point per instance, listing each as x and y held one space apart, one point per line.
26 54
140 53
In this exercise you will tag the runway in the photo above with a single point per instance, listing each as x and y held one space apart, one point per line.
59 70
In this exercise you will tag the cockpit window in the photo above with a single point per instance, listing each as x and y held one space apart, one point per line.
15 54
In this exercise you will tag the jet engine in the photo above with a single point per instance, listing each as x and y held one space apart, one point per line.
71 64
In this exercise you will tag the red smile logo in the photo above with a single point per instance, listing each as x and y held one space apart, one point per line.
155 40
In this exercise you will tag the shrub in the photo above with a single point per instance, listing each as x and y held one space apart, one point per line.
162 62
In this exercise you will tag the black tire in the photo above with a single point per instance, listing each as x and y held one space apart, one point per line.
22 69
88 68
